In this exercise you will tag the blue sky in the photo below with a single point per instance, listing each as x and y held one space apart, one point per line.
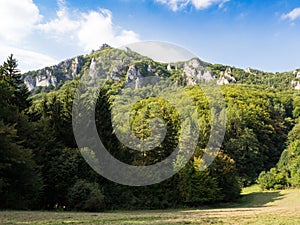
258 34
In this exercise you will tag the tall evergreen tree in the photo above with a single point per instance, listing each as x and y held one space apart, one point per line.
12 75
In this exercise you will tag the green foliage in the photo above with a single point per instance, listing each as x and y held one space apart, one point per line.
224 170
20 182
11 75
280 81
36 138
198 187
85 196
287 171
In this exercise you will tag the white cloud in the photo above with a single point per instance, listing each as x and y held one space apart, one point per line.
203 4
25 32
18 19
27 59
88 29
292 15
176 5
97 28
61 24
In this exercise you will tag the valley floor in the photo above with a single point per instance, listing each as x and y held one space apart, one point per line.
276 207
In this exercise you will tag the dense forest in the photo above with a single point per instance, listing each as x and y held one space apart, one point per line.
41 166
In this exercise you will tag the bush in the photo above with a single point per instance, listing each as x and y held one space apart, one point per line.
85 196
266 180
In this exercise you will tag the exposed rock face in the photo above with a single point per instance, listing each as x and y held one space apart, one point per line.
116 72
195 71
44 78
169 67
222 81
132 74
93 69
248 70
51 76
149 69
119 65
30 82
226 77
77 64
133 77
296 83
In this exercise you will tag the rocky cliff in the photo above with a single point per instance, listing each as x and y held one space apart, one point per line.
131 67
51 76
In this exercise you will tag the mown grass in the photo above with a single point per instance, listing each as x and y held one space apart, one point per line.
255 207
174 218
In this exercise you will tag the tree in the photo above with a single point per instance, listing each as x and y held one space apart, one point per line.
85 196
12 75
20 184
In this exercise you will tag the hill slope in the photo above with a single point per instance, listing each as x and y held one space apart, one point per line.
119 64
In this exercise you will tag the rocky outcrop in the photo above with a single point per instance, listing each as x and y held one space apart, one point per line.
296 83
93 69
222 81
149 69
297 73
51 76
133 77
132 74
126 65
195 71
248 70
30 82
226 77
44 78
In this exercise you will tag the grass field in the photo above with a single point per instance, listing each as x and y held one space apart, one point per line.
255 207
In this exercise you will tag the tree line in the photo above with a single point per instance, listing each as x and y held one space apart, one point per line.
42 168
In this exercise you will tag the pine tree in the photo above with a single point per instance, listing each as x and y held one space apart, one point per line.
10 73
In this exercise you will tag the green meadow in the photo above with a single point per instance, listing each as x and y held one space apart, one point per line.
255 207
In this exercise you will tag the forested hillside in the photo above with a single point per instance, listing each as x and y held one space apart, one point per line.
42 168
287 171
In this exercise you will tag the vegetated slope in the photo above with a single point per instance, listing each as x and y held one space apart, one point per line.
116 63
258 121
287 171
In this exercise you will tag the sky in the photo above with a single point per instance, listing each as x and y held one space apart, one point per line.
261 34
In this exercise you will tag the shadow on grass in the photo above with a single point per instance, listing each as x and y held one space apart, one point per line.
250 200
257 199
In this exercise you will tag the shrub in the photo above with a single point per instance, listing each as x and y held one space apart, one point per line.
85 196
266 180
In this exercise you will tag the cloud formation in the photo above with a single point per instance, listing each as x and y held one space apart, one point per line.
292 15
18 19
176 5
88 29
28 60
23 28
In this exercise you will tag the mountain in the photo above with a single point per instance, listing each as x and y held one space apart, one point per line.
39 137
116 64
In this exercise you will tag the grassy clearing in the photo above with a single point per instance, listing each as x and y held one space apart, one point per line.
276 207
252 189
